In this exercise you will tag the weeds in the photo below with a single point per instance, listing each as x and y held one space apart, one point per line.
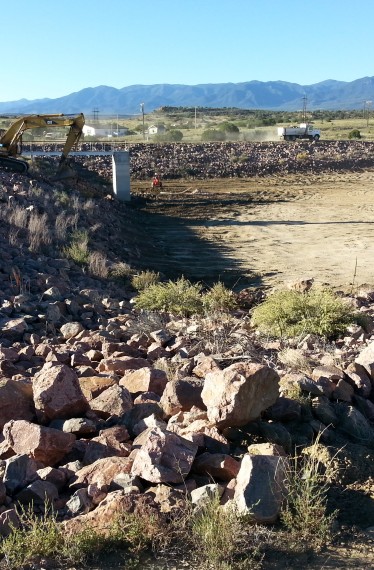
42 537
221 537
183 298
145 279
120 272
290 314
38 231
77 250
177 297
305 513
97 264
294 359
219 298
145 323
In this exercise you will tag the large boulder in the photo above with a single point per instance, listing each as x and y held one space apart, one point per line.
41 443
260 488
366 360
164 457
122 365
113 402
102 472
13 329
240 393
145 380
15 391
182 395
57 393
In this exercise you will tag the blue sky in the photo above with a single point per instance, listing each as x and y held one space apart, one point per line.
51 48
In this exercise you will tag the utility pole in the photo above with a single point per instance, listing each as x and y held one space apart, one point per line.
305 98
368 103
142 111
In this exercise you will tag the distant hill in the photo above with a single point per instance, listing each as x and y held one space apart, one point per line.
270 95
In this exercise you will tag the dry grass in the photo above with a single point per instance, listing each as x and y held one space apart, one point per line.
39 234
98 264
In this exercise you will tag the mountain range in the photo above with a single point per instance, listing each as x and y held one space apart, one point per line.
270 95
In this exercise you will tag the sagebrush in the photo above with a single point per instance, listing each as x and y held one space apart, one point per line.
287 313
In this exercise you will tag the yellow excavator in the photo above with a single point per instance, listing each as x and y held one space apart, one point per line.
11 139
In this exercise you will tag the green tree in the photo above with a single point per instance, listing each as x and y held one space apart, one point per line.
355 134
229 128
213 135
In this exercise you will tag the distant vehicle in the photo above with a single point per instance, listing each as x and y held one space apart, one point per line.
303 131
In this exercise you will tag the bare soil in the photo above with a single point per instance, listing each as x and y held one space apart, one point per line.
264 231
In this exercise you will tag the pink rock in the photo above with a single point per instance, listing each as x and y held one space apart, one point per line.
122 365
182 395
57 393
93 386
113 402
101 473
218 466
16 401
145 380
110 442
238 394
164 457
43 444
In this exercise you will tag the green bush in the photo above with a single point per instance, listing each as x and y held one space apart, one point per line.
43 537
355 134
77 250
291 313
177 297
219 298
213 135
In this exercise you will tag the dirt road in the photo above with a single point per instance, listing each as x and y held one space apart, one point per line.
265 231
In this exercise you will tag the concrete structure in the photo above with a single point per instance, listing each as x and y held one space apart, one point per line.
121 175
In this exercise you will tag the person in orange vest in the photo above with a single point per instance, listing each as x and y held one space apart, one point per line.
156 182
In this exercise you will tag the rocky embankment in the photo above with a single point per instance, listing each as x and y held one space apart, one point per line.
101 405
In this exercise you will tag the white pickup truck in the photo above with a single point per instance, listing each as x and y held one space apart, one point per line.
303 131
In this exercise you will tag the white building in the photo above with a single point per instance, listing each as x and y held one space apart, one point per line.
104 131
156 129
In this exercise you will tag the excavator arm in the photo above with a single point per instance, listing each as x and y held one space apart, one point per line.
11 139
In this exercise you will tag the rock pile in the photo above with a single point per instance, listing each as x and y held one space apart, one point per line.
99 410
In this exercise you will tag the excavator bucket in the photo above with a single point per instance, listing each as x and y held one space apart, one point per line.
65 171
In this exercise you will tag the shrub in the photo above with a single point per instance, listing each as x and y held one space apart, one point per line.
145 279
220 537
219 298
42 537
304 513
178 297
38 231
291 313
355 134
98 264
213 135
77 250
120 271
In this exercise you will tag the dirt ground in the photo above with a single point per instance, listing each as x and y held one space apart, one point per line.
265 231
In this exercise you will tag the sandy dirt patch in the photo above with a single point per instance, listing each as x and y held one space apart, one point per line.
271 230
